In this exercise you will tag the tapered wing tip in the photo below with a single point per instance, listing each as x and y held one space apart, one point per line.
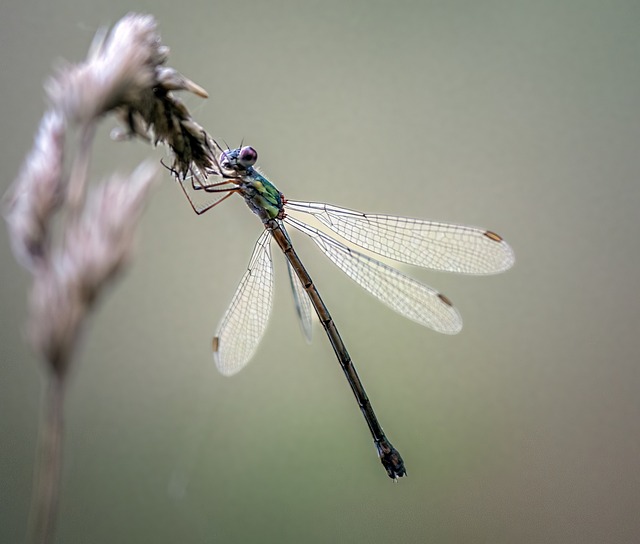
508 255
224 369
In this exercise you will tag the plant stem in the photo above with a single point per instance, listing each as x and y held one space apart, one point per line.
46 488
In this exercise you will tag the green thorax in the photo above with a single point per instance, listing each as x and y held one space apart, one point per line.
262 196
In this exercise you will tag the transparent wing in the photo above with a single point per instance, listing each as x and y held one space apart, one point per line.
244 322
401 293
302 303
300 298
439 246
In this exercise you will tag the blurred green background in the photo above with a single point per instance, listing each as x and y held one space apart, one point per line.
522 117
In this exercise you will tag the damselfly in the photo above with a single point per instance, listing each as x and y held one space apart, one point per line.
428 244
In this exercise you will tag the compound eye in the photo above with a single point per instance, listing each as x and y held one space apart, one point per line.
247 157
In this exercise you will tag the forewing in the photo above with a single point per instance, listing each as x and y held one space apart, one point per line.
245 321
408 297
439 246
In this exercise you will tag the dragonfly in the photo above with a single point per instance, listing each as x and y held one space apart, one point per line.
428 244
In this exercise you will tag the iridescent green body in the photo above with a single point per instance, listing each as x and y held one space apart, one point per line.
262 196
258 192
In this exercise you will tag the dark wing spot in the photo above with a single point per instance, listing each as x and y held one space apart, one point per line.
493 236
445 300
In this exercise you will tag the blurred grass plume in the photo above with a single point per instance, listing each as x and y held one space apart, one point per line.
75 239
